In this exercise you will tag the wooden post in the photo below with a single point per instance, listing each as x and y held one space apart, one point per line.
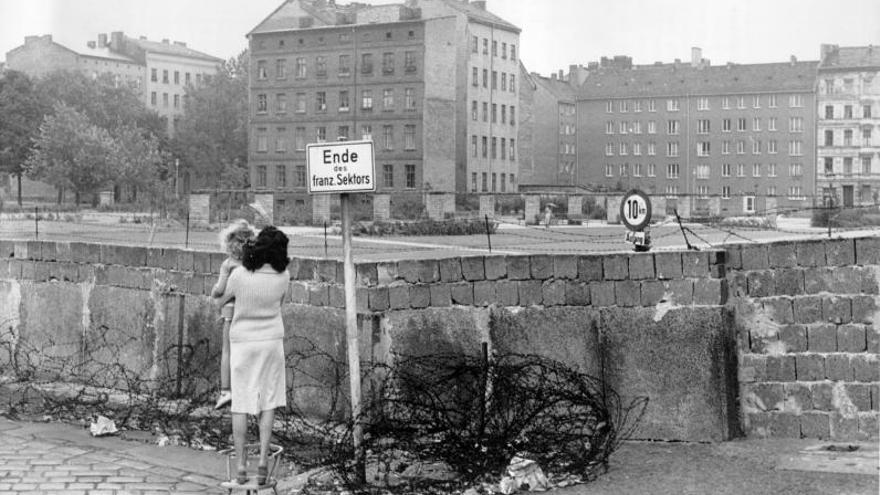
351 332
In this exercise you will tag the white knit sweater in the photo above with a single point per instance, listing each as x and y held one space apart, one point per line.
258 296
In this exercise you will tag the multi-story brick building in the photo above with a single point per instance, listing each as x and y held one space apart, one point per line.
729 140
431 82
159 70
848 161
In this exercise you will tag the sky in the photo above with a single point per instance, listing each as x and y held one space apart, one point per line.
555 33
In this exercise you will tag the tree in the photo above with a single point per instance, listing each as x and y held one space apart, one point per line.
71 152
22 111
139 164
212 135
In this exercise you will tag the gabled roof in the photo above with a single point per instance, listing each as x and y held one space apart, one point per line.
851 57
105 52
480 15
286 17
560 89
171 49
669 79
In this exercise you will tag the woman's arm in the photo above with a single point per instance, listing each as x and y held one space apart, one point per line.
227 287
225 269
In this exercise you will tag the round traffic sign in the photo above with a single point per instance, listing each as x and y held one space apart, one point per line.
635 210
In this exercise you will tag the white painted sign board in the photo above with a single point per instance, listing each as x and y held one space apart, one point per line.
341 167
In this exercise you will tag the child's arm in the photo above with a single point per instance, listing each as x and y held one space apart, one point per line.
225 269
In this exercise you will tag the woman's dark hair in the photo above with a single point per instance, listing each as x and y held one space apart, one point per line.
270 247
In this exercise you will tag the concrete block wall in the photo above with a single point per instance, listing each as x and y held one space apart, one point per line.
808 321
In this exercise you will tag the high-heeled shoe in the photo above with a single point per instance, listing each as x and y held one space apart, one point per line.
241 477
262 474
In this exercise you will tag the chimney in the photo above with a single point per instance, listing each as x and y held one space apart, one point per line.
696 56
793 60
165 41
553 76
31 39
180 43
826 50
91 44
480 4
142 38
117 39
561 75
102 40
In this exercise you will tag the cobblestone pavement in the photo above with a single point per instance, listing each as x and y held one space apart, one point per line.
52 458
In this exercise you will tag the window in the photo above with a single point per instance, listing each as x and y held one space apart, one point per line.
494 48
725 102
609 170
703 191
154 75
672 148
847 111
494 79
280 176
637 106
652 170
672 127
672 105
485 147
494 148
637 149
281 103
503 81
725 147
749 204
262 104
321 66
796 170
344 65
829 165
756 147
503 114
623 106
344 101
300 103
772 147
622 127
848 85
388 99
475 75
474 110
503 183
512 90
165 100
300 67
726 125
474 146
702 171
485 78
281 140
637 170
703 126
794 192
624 169
756 124
485 50
321 134
771 170
177 77
475 44
703 148
299 175
703 103
794 148
299 138
261 176
652 148
652 105
636 127
512 57
672 170
388 63
609 149
771 124
795 124
281 68
485 112
740 102
262 140
409 99
342 133
388 175
165 76
367 63
409 137
153 98
725 170
829 137
485 182
725 192
367 99
796 101
609 106
829 112
609 127
494 113
652 127
742 124
366 132
186 78
756 101
388 137
504 148
511 152
848 137
866 111
866 135
321 101
409 61
756 170
866 165
473 182
623 149
410 171
740 147
771 101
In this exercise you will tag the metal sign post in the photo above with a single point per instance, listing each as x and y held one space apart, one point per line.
345 167
635 213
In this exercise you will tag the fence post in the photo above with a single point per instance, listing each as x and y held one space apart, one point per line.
488 233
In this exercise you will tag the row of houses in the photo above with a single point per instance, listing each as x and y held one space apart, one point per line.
439 87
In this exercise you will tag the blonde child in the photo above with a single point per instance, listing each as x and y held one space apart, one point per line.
232 240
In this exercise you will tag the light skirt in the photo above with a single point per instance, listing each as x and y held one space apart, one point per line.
258 381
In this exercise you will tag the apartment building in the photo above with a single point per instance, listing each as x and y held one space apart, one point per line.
715 140
848 101
161 71
431 82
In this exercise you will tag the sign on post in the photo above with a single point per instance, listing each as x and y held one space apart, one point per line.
635 213
341 167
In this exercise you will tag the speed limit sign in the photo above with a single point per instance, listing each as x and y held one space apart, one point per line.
635 210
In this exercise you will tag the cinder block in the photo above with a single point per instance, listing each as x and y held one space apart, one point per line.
386 272
815 425
734 257
753 368
326 270
810 367
319 294
450 270
868 251
366 274
652 292
807 309
33 250
755 257
710 292
798 398
840 280
851 338
215 260
542 267
577 293
361 300
602 294
590 268
822 396
681 291
811 253
42 271
865 367
840 252
695 264
794 337
869 282
64 271
864 309
767 396
81 252
158 257
836 310
641 267
419 296
62 251
379 298
782 255
408 270
507 291
185 261
837 368
627 293
337 296
429 271
496 267
27 269
553 292
737 284
531 293
822 338
47 251
398 296
785 425
462 293
780 309
7 249
875 397
844 427
868 427
789 281
873 336
760 339
201 261
196 284
761 283
473 269
757 424
860 395
565 267
484 293
441 295
518 268
615 267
